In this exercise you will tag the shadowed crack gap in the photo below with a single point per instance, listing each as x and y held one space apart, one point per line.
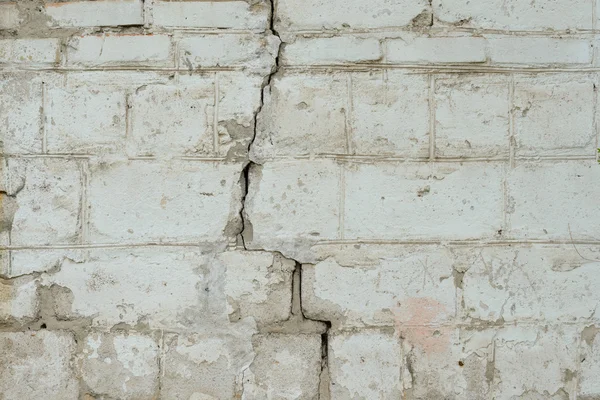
296 312
324 373
245 176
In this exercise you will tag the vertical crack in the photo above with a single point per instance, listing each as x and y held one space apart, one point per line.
324 379
298 322
245 176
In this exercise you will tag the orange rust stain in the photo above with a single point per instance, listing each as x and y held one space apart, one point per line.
163 202
415 320
49 5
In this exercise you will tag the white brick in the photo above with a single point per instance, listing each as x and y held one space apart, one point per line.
258 285
313 115
286 367
412 286
546 200
596 59
334 50
588 383
169 287
29 51
515 14
423 201
504 362
529 360
322 14
18 299
445 362
161 287
472 116
185 202
37 365
210 14
173 120
302 115
436 50
5 265
208 364
114 50
29 261
544 283
48 195
252 52
120 366
239 101
20 105
9 16
291 205
390 114
96 13
85 119
539 50
365 365
555 115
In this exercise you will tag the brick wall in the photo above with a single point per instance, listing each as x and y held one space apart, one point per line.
385 199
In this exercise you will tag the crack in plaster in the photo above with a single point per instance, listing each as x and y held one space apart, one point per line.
298 322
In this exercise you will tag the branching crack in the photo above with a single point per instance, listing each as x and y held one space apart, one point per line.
298 323
324 373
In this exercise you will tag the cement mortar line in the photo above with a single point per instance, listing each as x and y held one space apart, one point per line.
463 323
466 242
358 67
6 67
367 242
102 156
434 31
341 158
373 158
204 31
553 324
441 68
307 157
85 246
447 31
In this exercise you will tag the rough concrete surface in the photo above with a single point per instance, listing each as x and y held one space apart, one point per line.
299 200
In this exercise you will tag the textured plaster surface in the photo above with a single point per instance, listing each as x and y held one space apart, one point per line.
289 200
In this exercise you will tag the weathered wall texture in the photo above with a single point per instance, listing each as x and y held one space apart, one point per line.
304 199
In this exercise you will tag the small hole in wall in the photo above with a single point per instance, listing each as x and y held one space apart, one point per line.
43 326
461 364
